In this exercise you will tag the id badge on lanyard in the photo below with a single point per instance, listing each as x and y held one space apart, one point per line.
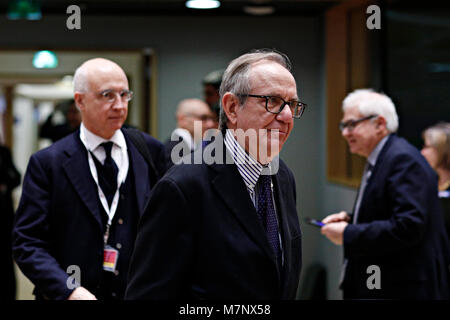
110 255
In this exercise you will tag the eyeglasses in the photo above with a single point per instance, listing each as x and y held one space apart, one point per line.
351 124
276 104
110 95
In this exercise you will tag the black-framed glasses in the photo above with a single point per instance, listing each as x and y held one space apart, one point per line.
276 104
110 95
351 124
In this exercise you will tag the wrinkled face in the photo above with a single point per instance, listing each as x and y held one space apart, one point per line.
363 138
431 154
101 115
270 79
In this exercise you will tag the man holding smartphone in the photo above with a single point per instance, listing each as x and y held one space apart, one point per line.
396 226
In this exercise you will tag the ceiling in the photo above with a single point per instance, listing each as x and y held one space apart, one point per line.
227 8
177 7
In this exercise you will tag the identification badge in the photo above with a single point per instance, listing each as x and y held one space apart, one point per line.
110 256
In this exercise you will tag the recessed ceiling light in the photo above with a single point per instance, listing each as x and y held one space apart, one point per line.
203 4
259 10
45 60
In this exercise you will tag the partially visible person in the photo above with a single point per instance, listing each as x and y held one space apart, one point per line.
82 197
437 152
194 118
70 123
9 179
211 86
395 232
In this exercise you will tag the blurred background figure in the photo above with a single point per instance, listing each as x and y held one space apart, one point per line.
396 225
185 137
436 150
211 85
9 179
64 120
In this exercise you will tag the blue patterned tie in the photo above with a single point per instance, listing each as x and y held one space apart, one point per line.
267 215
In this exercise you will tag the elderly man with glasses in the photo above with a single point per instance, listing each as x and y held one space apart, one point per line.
82 197
228 229
394 241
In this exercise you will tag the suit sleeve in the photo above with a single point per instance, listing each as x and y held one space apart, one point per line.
31 235
162 256
408 190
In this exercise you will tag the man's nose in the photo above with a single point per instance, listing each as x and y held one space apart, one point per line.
345 132
285 115
119 103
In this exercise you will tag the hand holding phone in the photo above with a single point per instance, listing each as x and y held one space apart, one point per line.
314 222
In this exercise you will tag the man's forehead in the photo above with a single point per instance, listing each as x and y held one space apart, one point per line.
107 78
263 73
352 113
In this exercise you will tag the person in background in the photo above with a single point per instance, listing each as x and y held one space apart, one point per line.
211 84
194 118
70 123
9 179
394 242
82 197
436 150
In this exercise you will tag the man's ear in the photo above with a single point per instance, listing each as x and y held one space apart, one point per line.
381 123
230 104
79 100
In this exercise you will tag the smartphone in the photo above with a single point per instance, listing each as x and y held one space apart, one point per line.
314 222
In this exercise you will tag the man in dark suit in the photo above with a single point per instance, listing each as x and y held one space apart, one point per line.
226 227
82 197
9 179
394 242
194 118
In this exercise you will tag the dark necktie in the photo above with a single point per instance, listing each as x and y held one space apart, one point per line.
365 179
107 173
267 215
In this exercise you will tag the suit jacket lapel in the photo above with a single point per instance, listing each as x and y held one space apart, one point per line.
280 192
231 188
141 175
77 170
378 163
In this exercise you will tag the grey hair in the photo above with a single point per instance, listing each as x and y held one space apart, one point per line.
80 80
369 103
236 76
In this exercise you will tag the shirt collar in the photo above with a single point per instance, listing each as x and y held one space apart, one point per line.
248 167
372 159
92 141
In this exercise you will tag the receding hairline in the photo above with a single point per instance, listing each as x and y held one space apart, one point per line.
81 77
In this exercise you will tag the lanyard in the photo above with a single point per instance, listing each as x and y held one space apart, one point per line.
106 235
109 210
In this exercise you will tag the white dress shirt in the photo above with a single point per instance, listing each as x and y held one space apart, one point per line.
119 154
